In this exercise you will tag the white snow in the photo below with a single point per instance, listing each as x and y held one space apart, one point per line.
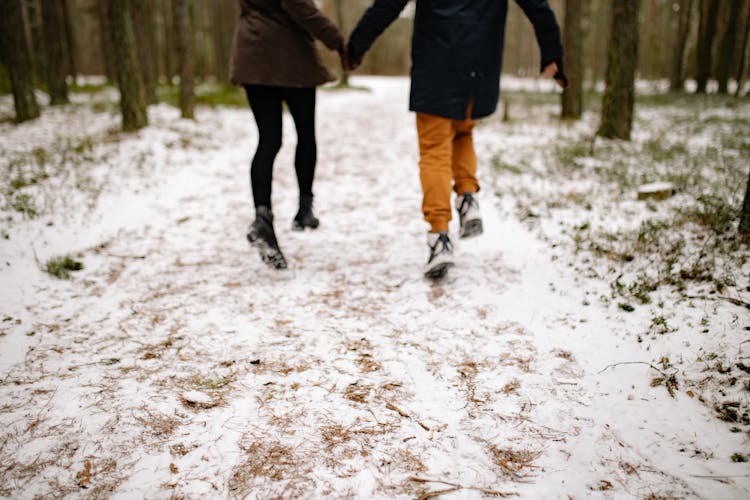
179 365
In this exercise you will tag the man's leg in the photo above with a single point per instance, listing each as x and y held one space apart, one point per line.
464 159
464 165
435 156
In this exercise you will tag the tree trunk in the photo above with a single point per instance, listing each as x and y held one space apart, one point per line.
169 42
132 97
181 15
70 42
622 59
106 41
35 34
745 218
677 81
222 20
743 53
53 19
572 96
338 6
725 54
709 11
16 57
142 16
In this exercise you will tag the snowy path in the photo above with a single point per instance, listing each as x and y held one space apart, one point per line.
177 365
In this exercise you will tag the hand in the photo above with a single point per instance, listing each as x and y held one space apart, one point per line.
344 57
350 60
554 70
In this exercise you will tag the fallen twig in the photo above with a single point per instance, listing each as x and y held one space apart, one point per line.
457 487
401 412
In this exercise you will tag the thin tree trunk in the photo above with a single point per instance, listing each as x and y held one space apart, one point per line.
181 15
677 81
622 59
106 41
169 41
572 96
706 34
35 34
338 5
725 54
16 57
132 98
142 16
53 19
745 218
70 43
743 53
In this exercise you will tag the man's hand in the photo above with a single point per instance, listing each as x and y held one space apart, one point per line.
554 70
350 60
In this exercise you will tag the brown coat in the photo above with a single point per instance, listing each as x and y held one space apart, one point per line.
274 44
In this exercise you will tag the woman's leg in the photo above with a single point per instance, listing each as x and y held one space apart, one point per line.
265 103
301 104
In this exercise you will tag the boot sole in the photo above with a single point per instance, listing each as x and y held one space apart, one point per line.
269 255
472 228
438 271
296 226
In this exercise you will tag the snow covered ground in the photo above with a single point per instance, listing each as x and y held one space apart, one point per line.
176 365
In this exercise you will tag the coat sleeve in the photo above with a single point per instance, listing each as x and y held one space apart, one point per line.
546 28
375 20
304 13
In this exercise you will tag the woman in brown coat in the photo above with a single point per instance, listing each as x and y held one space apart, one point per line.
275 60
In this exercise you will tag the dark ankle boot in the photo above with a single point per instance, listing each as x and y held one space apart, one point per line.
305 217
261 235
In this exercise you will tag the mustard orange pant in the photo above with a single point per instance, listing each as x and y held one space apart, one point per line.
447 162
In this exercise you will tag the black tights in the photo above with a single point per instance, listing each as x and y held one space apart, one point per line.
266 103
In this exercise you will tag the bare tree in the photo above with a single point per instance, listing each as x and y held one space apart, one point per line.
132 96
70 42
572 96
727 44
53 19
338 6
181 15
105 39
743 51
16 56
685 14
144 30
709 13
622 59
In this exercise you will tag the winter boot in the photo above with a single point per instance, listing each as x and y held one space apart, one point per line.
468 216
441 255
261 235
305 217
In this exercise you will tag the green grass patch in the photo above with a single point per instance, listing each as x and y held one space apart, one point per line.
212 95
61 267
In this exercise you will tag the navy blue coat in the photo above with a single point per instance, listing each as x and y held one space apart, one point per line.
457 49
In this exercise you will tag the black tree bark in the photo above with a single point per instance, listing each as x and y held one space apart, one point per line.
16 57
709 12
677 80
622 59
132 97
745 218
53 19
573 38
181 17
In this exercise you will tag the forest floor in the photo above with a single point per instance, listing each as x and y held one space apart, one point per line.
587 345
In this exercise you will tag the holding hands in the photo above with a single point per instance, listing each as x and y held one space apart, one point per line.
350 60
